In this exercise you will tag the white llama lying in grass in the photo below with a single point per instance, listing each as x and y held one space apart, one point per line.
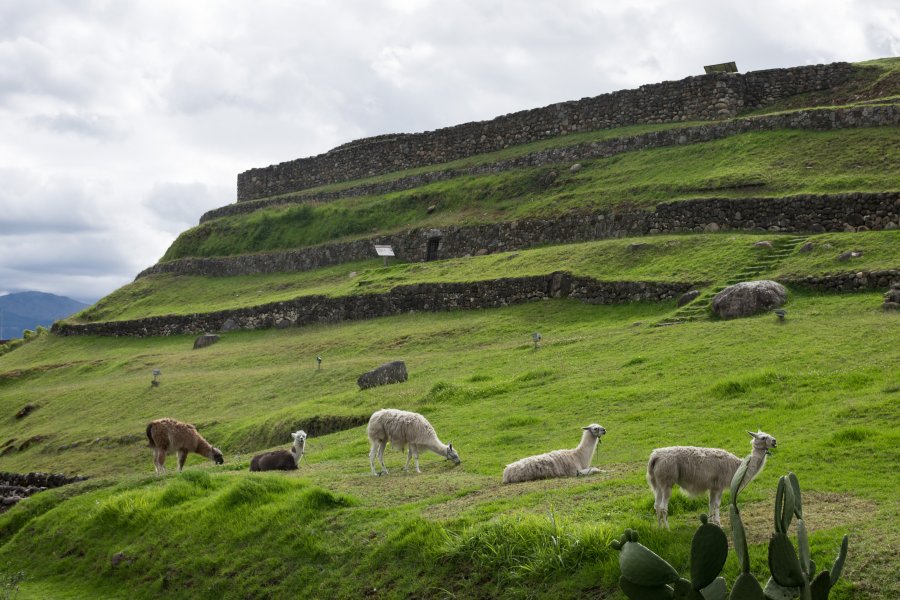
559 463
281 460
403 428
697 470
169 434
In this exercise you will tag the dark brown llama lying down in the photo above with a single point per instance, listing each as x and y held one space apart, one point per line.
169 434
281 460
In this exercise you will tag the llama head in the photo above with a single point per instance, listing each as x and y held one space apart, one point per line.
299 437
217 456
763 440
452 455
596 430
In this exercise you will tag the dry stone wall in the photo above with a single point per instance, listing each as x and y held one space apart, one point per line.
853 281
704 97
801 213
817 119
424 297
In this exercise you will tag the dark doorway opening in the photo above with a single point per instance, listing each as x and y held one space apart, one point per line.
431 253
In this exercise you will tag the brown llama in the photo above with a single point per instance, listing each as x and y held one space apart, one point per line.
169 434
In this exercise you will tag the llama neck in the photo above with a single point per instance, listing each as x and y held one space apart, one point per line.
297 452
757 461
436 446
585 450
204 448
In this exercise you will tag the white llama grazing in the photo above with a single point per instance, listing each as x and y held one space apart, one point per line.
559 463
169 434
403 428
281 460
696 470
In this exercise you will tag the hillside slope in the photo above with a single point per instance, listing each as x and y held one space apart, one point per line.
816 207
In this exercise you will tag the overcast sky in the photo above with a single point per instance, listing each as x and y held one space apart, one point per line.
122 122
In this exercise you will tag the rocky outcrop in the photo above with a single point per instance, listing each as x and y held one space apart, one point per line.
748 298
207 339
392 372
15 487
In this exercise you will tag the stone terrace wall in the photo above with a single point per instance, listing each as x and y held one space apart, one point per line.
816 119
694 98
802 213
425 297
854 281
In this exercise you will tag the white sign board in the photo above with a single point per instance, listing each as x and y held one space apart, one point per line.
384 251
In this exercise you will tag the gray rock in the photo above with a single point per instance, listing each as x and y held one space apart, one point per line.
118 558
283 324
891 306
575 168
392 372
845 256
748 298
893 294
25 410
639 246
763 244
688 297
807 247
229 325
207 339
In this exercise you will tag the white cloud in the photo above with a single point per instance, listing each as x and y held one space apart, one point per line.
121 123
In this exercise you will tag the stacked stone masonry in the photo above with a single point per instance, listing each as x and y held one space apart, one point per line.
425 297
808 213
704 97
817 119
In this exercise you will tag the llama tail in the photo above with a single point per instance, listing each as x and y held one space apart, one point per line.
150 436
651 468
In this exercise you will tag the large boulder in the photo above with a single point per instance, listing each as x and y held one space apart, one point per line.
392 372
748 298
207 339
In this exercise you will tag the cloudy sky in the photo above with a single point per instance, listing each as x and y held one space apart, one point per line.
122 122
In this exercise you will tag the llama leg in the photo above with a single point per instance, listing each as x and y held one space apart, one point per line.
182 456
372 452
662 507
588 471
159 460
715 497
415 451
381 448
409 453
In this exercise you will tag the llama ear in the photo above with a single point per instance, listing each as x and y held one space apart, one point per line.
450 446
753 435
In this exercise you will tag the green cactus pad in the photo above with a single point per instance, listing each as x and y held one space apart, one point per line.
640 592
787 513
820 586
779 505
709 551
838 565
715 590
783 561
739 538
774 591
803 548
746 587
798 501
642 566
737 482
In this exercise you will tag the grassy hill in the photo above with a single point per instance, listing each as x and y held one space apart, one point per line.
824 382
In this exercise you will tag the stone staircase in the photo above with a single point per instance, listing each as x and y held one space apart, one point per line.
768 259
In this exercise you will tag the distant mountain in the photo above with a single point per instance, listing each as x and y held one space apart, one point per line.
27 310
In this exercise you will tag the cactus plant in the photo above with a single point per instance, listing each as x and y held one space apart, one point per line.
646 576
794 574
746 587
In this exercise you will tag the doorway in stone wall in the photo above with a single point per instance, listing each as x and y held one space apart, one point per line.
431 252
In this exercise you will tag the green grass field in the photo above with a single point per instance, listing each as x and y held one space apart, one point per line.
825 382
